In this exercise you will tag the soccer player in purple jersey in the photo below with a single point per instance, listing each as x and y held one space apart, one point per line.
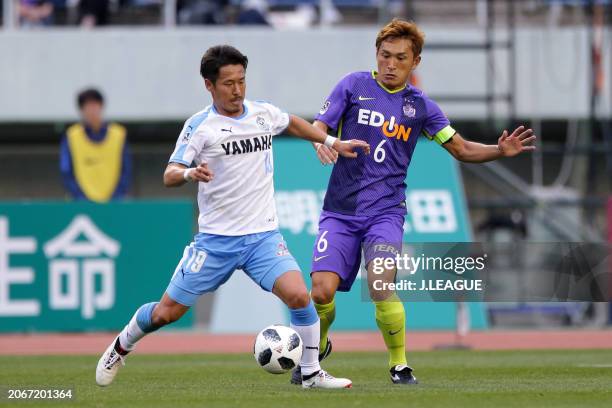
365 200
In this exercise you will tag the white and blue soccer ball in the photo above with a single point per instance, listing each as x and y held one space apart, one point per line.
278 349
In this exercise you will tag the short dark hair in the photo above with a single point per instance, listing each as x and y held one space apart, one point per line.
218 56
89 95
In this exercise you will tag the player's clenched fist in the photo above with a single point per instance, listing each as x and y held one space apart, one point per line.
201 173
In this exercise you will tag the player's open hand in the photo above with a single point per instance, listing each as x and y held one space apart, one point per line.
519 141
202 173
325 154
347 148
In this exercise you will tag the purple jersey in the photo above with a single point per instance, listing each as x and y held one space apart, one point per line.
359 107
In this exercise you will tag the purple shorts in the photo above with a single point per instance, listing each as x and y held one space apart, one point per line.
341 237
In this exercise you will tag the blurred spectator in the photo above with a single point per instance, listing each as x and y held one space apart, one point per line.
94 158
202 11
35 13
93 12
253 12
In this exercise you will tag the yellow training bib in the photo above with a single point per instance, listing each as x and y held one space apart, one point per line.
97 165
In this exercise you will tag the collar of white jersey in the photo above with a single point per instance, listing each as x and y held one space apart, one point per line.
245 112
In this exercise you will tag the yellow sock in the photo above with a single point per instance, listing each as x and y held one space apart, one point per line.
391 320
327 314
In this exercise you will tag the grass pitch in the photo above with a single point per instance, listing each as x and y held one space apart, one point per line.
448 379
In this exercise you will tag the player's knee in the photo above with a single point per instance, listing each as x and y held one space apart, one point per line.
322 298
322 292
380 295
298 299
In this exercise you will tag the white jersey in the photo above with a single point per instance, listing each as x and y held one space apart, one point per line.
240 198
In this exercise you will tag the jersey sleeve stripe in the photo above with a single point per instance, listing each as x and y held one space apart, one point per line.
197 120
173 160
178 156
185 137
340 128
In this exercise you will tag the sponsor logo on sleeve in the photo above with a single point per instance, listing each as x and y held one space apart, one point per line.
187 134
325 107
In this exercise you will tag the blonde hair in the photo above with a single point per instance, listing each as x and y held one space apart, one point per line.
402 29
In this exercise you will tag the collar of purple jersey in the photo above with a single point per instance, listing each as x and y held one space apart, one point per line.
406 86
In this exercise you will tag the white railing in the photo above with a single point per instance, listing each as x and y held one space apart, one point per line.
169 13
9 13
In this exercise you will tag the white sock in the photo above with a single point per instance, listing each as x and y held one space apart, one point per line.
310 338
130 334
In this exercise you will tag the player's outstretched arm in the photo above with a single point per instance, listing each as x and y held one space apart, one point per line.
302 129
177 174
507 146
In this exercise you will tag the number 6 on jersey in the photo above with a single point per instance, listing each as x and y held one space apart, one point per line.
379 152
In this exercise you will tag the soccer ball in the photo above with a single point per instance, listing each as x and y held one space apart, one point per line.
278 349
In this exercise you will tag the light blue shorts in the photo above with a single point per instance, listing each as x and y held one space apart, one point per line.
211 259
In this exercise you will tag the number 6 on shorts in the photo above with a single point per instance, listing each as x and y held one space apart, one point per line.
322 242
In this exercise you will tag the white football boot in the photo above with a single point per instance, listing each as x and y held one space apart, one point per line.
321 379
108 365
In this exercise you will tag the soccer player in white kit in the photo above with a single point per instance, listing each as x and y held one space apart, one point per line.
230 144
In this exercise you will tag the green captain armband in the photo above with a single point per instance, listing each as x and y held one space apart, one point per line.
442 136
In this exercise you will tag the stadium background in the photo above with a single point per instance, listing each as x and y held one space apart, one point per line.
490 64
